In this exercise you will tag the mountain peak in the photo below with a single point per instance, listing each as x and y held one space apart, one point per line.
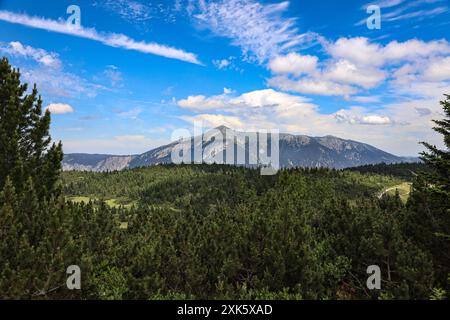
222 128
295 151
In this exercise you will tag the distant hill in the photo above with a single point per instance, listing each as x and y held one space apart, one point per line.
295 151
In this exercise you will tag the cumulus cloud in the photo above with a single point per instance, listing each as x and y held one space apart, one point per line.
373 119
294 63
343 71
408 121
215 120
365 99
59 108
314 86
201 103
110 39
437 70
361 51
267 99
356 64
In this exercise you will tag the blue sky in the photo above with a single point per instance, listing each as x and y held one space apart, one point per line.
135 71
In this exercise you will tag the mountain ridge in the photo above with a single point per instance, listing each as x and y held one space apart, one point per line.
295 151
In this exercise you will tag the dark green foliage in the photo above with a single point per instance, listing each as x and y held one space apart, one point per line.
210 231
24 136
429 206
406 171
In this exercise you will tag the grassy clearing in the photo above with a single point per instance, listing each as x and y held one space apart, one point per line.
113 203
79 199
403 189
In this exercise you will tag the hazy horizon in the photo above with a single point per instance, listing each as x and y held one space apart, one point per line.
133 72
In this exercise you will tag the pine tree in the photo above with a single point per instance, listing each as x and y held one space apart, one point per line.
24 135
429 203
35 240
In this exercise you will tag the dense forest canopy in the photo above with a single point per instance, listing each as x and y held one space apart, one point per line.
212 231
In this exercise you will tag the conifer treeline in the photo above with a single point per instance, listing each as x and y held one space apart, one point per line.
210 231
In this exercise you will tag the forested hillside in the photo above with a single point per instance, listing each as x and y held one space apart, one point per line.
199 231
210 231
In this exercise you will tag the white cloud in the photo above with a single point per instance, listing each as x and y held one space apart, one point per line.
48 72
221 64
215 120
365 99
267 99
59 83
344 71
408 10
409 122
260 30
113 74
315 86
414 49
48 59
202 103
130 114
429 13
112 145
59 108
294 63
373 119
438 70
227 91
109 39
129 10
130 138
227 64
356 50
385 3
355 64
362 52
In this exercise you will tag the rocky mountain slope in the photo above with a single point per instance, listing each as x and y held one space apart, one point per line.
295 151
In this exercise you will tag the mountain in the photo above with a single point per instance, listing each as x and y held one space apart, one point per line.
95 162
294 150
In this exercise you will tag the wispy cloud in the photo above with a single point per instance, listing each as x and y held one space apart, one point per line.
109 39
260 30
141 13
47 71
131 114
417 9
130 10
385 3
43 57
60 83
417 14
132 138
113 74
